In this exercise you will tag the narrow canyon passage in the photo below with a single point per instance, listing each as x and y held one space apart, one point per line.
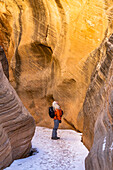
64 154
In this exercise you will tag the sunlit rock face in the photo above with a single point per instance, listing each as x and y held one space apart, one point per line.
58 49
98 114
16 125
48 45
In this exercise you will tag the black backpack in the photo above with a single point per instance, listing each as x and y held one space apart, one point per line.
51 112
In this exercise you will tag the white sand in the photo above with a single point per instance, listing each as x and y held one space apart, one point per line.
68 153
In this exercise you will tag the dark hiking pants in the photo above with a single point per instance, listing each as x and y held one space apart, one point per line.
54 132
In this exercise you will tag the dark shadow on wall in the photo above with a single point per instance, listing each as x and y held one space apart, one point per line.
4 62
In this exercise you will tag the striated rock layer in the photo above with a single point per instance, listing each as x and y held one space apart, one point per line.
48 44
17 126
98 114
56 50
4 62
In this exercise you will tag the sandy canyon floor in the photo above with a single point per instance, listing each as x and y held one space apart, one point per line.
68 153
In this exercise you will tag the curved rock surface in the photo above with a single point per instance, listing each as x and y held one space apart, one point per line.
48 51
56 49
17 126
4 62
98 114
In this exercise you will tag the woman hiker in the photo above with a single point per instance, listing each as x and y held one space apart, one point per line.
57 119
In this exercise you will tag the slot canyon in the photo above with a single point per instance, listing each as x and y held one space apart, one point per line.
61 50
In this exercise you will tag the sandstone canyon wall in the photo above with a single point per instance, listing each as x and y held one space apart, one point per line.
17 126
4 62
61 49
98 114
49 45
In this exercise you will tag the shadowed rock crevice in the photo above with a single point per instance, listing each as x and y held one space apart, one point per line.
4 62
17 71
43 54
59 4
71 125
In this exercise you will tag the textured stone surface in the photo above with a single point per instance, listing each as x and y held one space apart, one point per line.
48 50
16 125
4 62
55 49
98 114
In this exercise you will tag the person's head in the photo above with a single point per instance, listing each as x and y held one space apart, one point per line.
55 105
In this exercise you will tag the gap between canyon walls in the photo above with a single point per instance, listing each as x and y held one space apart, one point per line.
17 71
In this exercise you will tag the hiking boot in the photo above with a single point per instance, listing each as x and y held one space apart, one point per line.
58 137
55 138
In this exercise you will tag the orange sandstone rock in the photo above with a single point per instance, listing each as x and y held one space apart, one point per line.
49 46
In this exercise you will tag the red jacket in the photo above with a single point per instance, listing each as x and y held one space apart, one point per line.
58 114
